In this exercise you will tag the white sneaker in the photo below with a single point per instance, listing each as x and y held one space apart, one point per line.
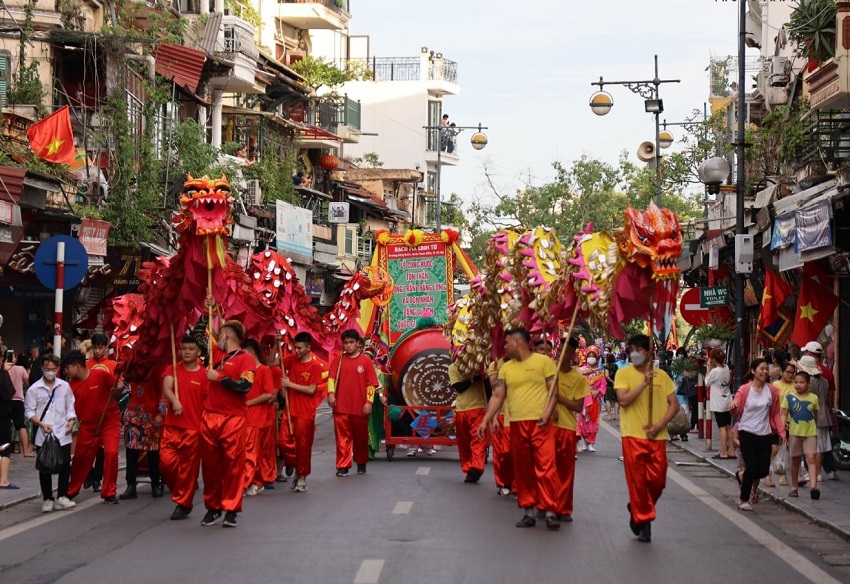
831 476
411 452
252 491
300 487
47 506
591 448
64 503
584 447
430 451
504 492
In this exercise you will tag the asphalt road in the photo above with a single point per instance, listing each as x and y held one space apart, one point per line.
414 521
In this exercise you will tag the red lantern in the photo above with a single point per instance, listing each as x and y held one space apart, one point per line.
328 162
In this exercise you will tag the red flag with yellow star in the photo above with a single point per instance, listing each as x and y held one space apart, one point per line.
776 292
815 305
52 138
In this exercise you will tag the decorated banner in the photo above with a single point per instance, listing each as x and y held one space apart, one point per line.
93 236
422 274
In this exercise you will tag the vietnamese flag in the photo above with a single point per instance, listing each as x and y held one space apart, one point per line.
776 291
52 138
815 305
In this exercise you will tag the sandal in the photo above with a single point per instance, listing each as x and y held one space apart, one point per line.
754 498
745 507
738 478
793 493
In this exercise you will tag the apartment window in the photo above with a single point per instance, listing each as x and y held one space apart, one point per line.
431 182
435 118
350 236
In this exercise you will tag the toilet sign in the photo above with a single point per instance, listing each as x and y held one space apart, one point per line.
711 296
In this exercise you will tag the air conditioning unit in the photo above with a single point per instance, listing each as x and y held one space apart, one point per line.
253 193
780 71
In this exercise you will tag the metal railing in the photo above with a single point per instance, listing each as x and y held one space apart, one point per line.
338 6
329 113
401 69
444 139
827 137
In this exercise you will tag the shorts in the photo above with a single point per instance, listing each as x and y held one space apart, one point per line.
824 442
610 395
800 445
18 414
723 419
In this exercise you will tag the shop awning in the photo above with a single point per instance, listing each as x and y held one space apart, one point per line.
180 64
313 193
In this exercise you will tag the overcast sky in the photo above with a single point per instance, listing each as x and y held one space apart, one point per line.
525 70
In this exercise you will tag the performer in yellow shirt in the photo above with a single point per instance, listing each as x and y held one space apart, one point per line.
525 379
470 405
644 440
572 390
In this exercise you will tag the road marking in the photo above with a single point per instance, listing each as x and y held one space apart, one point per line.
47 518
423 471
369 572
402 507
799 563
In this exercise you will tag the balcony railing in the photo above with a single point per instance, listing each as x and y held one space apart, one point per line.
827 137
444 139
338 6
402 69
328 114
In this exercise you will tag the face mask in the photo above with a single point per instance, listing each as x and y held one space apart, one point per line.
637 358
222 344
591 360
49 375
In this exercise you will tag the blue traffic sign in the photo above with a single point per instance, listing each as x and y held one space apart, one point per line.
76 262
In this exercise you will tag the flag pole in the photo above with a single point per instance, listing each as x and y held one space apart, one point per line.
553 384
174 361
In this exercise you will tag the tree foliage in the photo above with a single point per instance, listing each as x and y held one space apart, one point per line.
318 72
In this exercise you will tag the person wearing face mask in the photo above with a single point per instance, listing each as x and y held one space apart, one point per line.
50 407
588 419
223 425
644 438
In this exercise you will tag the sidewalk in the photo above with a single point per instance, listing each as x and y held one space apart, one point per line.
832 511
22 473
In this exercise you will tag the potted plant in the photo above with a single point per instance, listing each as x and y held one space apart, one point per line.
812 29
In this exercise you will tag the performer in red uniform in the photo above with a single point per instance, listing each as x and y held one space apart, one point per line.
262 394
470 406
180 447
503 463
99 360
303 376
100 424
223 426
351 389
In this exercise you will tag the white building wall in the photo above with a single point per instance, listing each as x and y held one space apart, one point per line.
396 111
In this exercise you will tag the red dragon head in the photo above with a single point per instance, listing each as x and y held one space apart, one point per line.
206 203
653 238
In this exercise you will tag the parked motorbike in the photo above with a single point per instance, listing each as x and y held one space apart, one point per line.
841 444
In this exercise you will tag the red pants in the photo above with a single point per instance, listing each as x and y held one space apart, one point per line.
535 477
86 451
565 466
645 462
251 474
352 434
470 448
180 461
223 460
268 468
503 464
286 442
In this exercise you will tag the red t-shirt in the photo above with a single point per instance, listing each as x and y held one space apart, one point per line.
355 375
233 366
105 362
263 384
302 405
192 388
91 396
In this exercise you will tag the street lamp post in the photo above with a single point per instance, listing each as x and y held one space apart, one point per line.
602 102
740 230
478 141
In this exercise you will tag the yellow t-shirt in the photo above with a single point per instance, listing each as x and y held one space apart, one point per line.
527 387
784 388
571 385
473 398
636 415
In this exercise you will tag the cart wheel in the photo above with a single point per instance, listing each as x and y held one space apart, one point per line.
390 453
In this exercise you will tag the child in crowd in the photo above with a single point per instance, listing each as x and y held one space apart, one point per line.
801 407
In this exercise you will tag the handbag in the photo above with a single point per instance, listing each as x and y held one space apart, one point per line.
680 424
50 458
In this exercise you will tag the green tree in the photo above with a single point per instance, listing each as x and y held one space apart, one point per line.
318 72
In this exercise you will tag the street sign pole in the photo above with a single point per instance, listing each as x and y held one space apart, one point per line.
60 296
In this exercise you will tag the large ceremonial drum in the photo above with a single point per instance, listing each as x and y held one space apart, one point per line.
419 367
